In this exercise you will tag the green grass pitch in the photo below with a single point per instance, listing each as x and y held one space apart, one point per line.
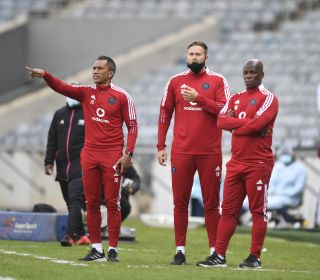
287 255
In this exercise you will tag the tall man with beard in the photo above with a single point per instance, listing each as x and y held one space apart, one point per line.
106 107
196 96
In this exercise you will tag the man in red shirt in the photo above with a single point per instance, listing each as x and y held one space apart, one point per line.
197 96
250 116
105 108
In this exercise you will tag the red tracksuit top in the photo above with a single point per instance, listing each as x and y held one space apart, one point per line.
254 110
105 109
195 123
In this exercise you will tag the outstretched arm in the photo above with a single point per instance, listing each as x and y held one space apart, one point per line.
72 91
35 72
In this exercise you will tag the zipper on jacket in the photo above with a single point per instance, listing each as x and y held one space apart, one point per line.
67 144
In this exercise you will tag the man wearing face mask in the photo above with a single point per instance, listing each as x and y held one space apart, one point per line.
196 96
286 185
65 141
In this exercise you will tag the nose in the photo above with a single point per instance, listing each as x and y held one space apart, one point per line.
248 76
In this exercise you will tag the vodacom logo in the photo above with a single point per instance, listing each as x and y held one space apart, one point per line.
100 112
193 103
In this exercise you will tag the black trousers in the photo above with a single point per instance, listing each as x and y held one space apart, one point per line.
125 205
72 192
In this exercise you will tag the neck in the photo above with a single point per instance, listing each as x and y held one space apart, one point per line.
107 83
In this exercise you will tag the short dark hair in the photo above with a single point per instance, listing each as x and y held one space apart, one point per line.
198 43
110 62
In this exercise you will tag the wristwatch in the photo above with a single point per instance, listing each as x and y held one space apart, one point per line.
130 154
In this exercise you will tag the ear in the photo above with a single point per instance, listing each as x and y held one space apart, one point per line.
262 74
111 73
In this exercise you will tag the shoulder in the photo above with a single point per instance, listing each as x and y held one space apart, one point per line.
265 92
238 94
62 110
299 166
85 89
85 86
120 92
178 76
215 75
270 100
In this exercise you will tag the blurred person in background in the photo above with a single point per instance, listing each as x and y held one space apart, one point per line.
196 97
65 141
130 186
106 108
250 116
286 185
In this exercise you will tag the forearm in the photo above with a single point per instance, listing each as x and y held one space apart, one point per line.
162 134
61 87
208 105
132 136
163 126
230 123
263 118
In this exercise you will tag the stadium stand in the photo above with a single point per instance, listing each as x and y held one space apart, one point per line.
283 34
11 9
290 64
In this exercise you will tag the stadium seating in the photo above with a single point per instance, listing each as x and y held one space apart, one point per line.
286 38
10 9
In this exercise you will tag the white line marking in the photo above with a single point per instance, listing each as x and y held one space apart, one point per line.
135 250
54 260
276 270
146 266
19 246
6 278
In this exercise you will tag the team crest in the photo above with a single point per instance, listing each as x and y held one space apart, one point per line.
111 100
205 86
252 102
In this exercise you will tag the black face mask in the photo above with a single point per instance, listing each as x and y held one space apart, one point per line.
195 67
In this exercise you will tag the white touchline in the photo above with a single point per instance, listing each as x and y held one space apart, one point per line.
146 266
135 250
276 270
54 260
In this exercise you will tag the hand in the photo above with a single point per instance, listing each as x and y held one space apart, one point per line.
162 157
35 72
48 169
129 190
127 185
189 94
231 113
124 162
